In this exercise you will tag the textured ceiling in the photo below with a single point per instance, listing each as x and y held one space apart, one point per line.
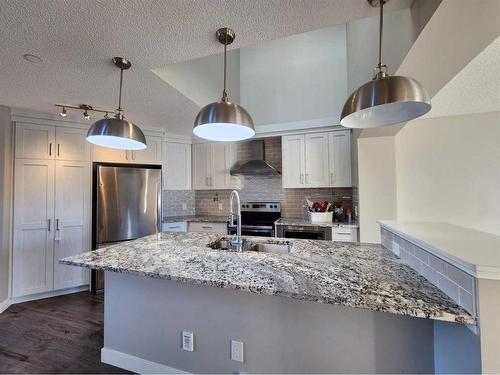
475 89
77 38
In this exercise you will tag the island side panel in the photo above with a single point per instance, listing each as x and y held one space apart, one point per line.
144 318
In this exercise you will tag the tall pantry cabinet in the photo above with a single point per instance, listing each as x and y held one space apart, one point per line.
52 207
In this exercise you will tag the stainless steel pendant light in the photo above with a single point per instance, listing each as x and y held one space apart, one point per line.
224 121
117 132
385 100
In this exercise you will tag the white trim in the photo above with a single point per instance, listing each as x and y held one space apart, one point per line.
53 293
135 364
5 305
298 125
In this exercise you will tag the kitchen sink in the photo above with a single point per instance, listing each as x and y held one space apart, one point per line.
269 246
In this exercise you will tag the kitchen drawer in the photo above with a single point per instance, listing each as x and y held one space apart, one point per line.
208 227
179 226
343 234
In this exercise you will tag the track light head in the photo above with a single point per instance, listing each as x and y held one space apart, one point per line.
86 115
63 113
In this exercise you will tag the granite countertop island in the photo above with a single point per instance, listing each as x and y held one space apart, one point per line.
350 274
304 222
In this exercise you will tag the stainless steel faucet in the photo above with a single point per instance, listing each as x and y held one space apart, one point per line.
237 243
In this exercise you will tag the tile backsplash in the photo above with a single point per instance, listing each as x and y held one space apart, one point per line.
254 189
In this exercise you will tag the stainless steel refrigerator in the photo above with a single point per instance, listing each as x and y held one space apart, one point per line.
126 205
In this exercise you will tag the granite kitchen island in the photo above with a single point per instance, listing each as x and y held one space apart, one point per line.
323 307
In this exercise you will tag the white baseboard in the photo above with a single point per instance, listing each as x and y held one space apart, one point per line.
135 364
54 293
4 305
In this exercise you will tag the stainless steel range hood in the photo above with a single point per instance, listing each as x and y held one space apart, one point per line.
256 165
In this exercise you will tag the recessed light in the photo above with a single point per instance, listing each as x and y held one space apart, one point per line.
32 58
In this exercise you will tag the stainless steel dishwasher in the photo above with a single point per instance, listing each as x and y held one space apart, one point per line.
308 232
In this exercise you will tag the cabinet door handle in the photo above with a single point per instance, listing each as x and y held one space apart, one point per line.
48 228
331 178
211 181
58 148
207 227
126 154
302 178
174 227
343 234
50 149
57 224
133 155
206 181
307 178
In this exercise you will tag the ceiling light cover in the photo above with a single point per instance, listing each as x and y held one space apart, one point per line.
116 133
385 101
224 121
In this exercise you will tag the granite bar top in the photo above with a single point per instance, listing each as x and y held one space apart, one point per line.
196 219
349 274
303 222
474 252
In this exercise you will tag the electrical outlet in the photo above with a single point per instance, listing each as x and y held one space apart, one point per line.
184 206
220 206
237 351
188 341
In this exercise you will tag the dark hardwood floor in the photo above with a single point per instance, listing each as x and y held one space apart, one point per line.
55 335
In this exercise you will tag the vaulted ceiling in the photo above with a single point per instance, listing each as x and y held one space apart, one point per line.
77 38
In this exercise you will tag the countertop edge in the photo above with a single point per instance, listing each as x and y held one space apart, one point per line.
446 317
477 271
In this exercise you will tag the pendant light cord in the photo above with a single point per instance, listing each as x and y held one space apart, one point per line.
381 26
120 94
224 92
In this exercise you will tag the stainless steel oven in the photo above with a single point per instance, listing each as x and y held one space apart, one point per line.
257 219
308 232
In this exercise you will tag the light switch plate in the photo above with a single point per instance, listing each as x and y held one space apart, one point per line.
188 341
237 351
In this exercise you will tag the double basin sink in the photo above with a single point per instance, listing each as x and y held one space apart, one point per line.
266 246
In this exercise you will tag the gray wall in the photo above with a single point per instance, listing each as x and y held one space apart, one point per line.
144 317
5 199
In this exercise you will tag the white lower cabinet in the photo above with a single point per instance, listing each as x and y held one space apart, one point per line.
345 234
33 246
207 227
51 221
177 226
72 218
317 160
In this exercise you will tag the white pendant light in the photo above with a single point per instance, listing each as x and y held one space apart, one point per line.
117 132
385 100
224 121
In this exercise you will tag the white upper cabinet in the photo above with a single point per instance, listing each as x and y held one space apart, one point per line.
339 158
202 163
33 251
293 159
317 159
176 166
211 165
35 141
72 144
72 220
150 155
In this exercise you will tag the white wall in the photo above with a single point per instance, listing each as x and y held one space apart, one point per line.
201 80
5 199
301 77
377 185
448 169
